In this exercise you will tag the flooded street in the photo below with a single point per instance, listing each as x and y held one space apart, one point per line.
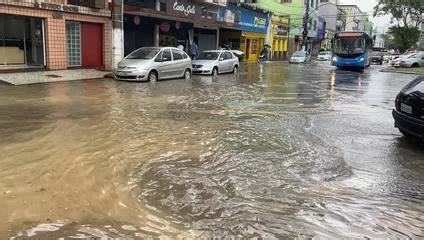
280 152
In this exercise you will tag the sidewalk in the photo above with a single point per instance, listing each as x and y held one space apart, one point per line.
416 71
21 78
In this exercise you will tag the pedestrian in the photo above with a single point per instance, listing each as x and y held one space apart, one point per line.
194 49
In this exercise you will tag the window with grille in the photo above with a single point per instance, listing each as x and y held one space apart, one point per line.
73 40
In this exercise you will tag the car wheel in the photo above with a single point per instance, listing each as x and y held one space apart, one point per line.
153 76
235 70
215 72
414 65
187 74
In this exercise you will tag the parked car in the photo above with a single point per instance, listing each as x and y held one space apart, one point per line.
413 60
324 56
215 62
299 57
396 60
153 63
409 109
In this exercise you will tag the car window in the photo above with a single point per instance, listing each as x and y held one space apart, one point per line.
177 54
227 55
185 56
143 53
166 55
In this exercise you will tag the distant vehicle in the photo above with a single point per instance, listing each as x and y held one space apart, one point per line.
413 60
324 56
397 59
299 57
215 62
377 56
153 63
350 50
409 109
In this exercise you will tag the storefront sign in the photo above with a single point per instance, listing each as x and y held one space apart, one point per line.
247 20
56 7
183 7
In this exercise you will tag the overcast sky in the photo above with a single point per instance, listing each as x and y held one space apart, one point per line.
381 23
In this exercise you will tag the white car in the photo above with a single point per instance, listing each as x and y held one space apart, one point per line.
153 63
214 62
299 57
396 60
324 56
413 60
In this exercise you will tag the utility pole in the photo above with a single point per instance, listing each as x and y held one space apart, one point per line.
117 31
305 26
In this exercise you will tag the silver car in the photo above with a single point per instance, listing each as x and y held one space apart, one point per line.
215 62
153 63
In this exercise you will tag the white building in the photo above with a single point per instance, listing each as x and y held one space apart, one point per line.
355 18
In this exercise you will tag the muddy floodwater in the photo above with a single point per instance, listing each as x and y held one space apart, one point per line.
277 152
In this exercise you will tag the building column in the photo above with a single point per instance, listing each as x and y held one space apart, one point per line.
56 44
156 35
117 32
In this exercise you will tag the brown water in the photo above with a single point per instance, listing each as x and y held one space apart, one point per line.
278 152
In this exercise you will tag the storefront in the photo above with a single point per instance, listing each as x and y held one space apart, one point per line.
172 23
253 25
21 41
54 36
279 37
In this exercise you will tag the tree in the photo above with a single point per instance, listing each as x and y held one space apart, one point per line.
405 13
407 17
404 37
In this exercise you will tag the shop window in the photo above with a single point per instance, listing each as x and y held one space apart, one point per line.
73 38
21 40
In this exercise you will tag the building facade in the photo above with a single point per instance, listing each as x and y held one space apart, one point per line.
288 16
55 34
355 18
327 9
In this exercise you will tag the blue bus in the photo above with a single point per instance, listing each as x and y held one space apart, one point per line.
350 50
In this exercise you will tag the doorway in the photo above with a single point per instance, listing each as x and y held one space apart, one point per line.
92 45
247 53
84 44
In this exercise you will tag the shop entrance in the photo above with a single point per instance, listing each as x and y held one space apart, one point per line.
21 41
206 38
84 44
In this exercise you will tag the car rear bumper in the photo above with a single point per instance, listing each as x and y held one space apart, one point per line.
411 125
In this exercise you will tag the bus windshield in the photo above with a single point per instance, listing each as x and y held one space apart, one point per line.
349 45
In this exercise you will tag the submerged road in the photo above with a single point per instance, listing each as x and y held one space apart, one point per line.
278 152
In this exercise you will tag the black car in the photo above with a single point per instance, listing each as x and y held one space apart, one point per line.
409 109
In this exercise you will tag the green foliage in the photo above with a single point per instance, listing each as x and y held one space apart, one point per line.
407 13
404 37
